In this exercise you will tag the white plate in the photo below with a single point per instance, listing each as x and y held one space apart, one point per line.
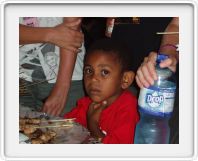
23 139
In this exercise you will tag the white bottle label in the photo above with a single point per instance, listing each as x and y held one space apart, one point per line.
157 102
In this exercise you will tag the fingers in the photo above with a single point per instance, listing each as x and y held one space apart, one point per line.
142 79
149 66
139 83
79 36
73 36
73 49
146 73
101 105
171 63
47 109
74 23
75 40
95 106
53 110
77 44
65 37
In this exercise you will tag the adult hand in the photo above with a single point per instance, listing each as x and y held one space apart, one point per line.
55 103
146 73
66 37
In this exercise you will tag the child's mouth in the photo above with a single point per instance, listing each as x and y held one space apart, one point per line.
94 91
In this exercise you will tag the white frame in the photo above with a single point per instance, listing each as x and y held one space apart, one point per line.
112 155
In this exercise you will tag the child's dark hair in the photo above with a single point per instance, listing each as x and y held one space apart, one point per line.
113 47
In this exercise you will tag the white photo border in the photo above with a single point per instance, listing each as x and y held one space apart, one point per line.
10 149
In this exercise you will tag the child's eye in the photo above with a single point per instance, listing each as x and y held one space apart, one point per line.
104 72
88 71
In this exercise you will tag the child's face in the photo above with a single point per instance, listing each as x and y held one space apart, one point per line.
102 77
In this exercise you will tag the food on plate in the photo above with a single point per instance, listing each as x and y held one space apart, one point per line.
37 141
44 138
28 129
23 121
31 128
36 134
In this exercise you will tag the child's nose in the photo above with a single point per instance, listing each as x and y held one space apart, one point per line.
95 77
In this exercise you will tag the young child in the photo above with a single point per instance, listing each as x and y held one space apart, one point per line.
110 110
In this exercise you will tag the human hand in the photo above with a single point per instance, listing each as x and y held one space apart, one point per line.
73 22
65 36
94 111
93 115
146 73
55 103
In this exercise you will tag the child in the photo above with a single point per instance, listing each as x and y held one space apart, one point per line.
110 110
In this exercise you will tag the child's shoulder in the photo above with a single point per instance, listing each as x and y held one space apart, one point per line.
128 102
128 95
127 99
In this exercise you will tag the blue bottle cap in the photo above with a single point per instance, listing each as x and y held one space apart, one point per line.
161 57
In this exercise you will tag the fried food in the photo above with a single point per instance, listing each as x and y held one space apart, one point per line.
36 134
29 129
37 141
29 126
24 121
46 137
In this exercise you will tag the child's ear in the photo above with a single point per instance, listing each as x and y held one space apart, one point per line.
127 79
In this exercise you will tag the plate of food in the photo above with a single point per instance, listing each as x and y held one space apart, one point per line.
41 128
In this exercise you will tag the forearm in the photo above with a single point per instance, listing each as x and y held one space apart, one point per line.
66 67
28 35
67 63
94 129
172 39
93 117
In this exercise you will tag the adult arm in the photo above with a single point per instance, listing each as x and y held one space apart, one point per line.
146 73
58 96
61 35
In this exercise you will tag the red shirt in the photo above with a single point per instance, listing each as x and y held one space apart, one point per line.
118 121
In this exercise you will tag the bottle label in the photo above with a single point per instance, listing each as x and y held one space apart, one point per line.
158 102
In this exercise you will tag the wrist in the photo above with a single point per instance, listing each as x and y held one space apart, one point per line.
95 131
169 49
98 139
48 35
169 46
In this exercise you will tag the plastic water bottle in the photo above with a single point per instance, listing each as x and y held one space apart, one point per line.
155 107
